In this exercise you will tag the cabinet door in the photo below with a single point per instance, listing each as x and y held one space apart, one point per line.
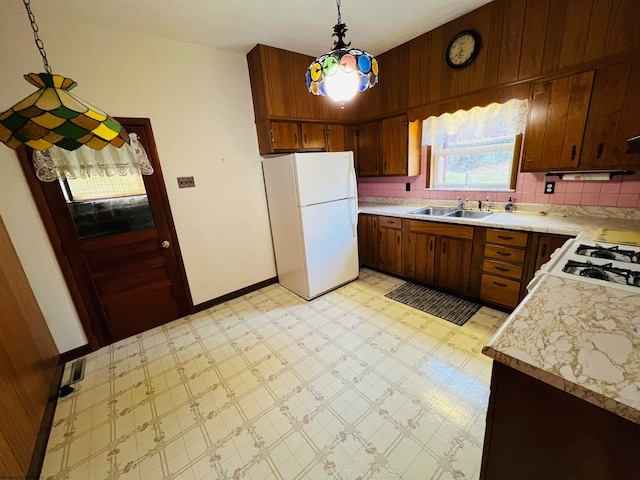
313 136
284 136
368 240
336 138
556 123
390 250
419 256
547 244
614 117
453 264
393 145
368 149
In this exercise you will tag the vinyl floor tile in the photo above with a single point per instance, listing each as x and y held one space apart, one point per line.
351 385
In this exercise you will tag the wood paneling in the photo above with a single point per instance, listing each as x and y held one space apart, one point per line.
535 27
28 356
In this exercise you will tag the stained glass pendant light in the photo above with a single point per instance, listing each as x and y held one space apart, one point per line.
342 72
54 116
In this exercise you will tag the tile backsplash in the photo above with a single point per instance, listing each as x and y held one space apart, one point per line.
621 191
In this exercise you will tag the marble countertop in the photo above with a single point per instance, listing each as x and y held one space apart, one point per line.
579 337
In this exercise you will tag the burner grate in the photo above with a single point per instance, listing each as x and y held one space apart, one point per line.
609 253
605 272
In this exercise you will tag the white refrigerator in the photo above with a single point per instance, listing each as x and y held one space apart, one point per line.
313 208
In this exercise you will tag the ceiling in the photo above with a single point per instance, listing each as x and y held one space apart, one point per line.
303 26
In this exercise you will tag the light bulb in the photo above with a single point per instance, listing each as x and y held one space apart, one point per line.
342 86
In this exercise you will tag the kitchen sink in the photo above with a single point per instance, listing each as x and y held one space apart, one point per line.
469 214
435 211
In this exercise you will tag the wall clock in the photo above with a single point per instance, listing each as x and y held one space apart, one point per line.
463 49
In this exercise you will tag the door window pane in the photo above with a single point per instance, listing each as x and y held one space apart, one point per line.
102 206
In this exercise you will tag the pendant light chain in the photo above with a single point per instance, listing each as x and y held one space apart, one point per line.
39 44
338 3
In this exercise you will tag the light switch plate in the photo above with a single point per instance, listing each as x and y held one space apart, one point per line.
186 182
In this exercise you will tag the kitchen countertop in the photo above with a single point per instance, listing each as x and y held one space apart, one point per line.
573 225
579 337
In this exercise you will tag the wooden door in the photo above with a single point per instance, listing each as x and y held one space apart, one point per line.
613 118
368 240
547 244
284 136
368 149
419 256
390 249
336 138
313 136
29 359
453 264
556 123
393 145
120 258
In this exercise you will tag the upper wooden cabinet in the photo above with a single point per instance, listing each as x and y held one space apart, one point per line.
368 149
583 121
280 92
336 138
389 147
614 117
313 136
553 137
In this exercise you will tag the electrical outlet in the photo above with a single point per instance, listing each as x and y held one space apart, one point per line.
407 187
549 188
186 182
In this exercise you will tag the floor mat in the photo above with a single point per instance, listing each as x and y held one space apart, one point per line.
448 307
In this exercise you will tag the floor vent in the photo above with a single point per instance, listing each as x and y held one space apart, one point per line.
77 370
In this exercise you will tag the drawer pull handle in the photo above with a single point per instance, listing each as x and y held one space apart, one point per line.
504 254
502 269
505 237
500 284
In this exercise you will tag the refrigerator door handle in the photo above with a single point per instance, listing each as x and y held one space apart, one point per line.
353 213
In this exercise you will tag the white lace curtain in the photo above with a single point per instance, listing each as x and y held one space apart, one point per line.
58 164
495 120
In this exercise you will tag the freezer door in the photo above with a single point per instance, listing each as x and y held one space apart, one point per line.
331 245
324 177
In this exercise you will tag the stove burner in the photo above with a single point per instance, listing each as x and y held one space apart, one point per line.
612 253
606 272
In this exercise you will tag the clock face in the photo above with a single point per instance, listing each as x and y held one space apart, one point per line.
463 49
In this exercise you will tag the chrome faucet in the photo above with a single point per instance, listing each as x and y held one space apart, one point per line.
461 203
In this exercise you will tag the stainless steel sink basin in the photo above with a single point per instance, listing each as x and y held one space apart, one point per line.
435 211
469 214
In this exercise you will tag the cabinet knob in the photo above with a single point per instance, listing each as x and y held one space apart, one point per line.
166 244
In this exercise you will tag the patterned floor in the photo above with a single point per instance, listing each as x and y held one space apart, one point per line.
351 385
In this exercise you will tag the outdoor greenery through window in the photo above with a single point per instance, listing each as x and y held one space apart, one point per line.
476 149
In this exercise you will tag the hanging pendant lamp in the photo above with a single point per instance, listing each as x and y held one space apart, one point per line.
54 116
342 72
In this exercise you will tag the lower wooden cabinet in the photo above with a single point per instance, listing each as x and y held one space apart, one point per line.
390 244
503 267
490 264
368 240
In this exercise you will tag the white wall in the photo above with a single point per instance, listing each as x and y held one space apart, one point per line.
199 103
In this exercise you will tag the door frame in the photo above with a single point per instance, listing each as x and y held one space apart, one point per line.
90 314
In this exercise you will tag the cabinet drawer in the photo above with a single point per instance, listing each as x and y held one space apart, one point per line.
443 229
501 268
507 237
390 222
499 290
506 254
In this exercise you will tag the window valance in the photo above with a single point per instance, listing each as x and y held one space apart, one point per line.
508 118
58 164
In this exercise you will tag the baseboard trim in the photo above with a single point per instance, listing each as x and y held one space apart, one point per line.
230 296
40 448
75 353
